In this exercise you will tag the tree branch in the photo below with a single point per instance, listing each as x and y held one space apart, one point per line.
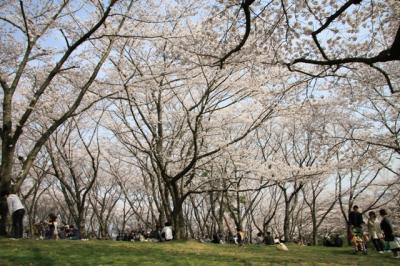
246 8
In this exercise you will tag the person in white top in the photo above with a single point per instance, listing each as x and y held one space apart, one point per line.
167 232
375 232
17 212
53 226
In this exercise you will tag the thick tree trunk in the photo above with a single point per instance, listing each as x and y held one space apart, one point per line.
3 216
7 155
80 224
178 223
81 228
104 233
178 220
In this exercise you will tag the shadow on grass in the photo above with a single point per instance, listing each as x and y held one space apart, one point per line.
30 256
40 258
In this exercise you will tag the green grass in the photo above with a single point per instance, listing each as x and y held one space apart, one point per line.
92 252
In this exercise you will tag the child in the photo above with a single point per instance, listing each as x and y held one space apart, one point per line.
357 240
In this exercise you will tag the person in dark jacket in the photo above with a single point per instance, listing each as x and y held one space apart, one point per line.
356 221
355 217
387 228
357 235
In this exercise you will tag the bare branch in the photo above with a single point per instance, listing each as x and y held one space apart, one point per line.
246 9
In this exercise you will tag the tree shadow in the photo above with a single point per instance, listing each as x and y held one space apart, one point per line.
41 259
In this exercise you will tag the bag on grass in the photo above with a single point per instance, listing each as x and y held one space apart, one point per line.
281 247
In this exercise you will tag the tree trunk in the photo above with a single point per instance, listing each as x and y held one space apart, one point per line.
80 224
178 222
314 233
7 154
286 222
348 227
314 225
3 216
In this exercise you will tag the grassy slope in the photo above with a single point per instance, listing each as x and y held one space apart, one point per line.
31 252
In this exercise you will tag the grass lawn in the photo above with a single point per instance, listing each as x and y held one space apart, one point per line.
94 252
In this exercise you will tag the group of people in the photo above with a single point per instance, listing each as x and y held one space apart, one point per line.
219 238
380 233
332 241
267 239
49 229
157 235
261 239
240 238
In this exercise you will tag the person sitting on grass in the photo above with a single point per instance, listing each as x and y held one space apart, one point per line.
338 241
217 238
240 236
259 238
268 239
155 235
166 233
73 233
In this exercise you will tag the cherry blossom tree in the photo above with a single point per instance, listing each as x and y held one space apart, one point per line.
207 114
33 70
76 164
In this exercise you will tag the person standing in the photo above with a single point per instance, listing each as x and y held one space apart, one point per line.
356 219
17 212
387 229
53 226
374 232
356 235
